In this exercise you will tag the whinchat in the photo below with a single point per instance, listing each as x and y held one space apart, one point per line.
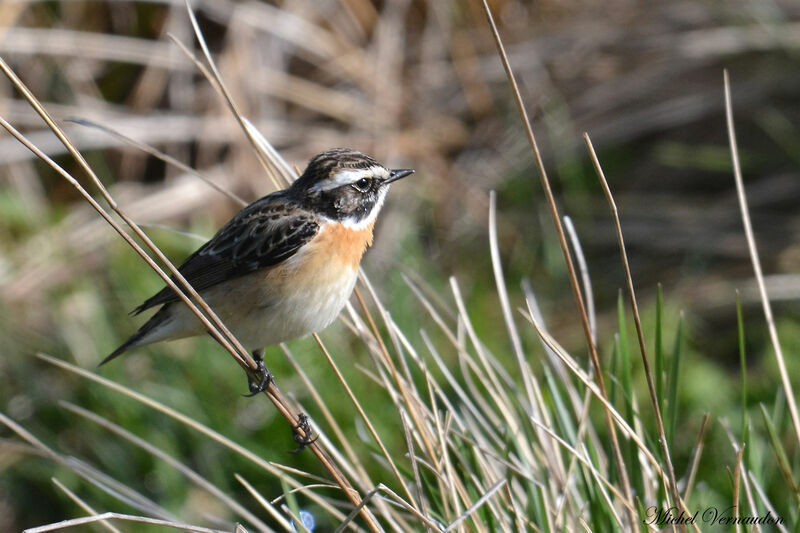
285 265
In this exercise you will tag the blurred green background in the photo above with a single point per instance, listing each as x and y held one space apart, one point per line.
414 83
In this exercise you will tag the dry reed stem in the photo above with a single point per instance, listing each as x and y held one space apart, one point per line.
122 517
497 486
662 437
756 261
595 390
583 268
696 455
412 406
158 154
364 417
414 467
226 94
622 471
189 422
109 485
265 504
82 504
158 453
532 388
361 474
737 476
762 495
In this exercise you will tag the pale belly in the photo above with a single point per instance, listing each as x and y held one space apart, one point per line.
292 312
261 312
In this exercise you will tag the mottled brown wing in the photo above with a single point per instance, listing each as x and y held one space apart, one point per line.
263 234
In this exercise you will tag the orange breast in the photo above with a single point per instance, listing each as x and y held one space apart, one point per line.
333 255
336 242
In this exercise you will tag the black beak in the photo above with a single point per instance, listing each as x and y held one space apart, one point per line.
395 175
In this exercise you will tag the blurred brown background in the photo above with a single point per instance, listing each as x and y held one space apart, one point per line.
414 83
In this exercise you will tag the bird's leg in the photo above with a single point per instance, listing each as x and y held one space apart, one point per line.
263 375
305 439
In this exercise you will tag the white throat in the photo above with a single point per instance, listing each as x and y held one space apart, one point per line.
352 223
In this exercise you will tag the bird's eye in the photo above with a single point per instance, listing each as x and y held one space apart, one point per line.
362 185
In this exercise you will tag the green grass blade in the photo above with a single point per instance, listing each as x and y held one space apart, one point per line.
659 348
672 383
780 456
743 367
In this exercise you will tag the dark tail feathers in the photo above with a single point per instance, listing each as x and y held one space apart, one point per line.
154 321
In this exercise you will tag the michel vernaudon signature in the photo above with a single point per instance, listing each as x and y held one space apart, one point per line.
710 516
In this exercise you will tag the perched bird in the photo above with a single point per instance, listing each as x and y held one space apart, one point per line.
285 265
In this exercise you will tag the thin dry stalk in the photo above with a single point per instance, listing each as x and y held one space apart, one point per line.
408 396
355 463
695 462
158 154
585 461
551 203
223 89
662 437
352 463
764 499
466 514
531 386
278 517
744 478
158 453
737 477
414 467
754 258
82 504
364 417
584 270
123 517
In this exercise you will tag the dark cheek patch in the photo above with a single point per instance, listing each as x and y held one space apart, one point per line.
345 202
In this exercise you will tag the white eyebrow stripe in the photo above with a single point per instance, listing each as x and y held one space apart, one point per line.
347 177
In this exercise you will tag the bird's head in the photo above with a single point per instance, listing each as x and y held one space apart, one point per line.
345 185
